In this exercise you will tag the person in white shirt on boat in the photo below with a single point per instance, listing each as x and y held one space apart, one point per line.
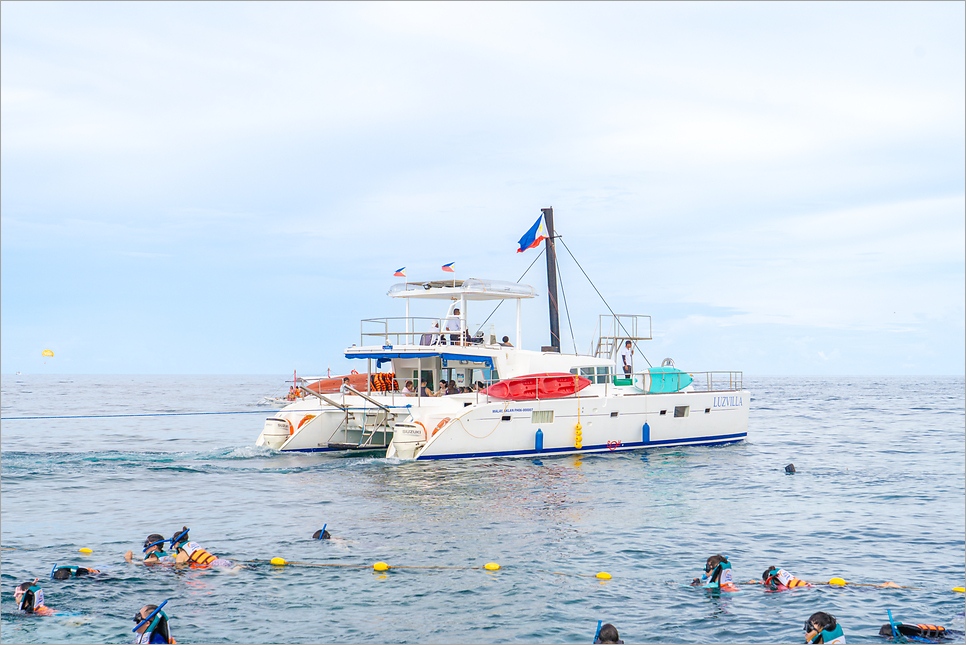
344 389
408 389
453 323
626 359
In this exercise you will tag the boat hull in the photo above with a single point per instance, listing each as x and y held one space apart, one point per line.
607 424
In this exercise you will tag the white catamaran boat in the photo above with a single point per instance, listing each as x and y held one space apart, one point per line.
531 403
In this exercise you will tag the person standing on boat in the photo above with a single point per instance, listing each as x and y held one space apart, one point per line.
627 359
453 323
344 389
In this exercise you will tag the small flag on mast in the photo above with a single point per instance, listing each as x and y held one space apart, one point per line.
449 267
533 237
401 272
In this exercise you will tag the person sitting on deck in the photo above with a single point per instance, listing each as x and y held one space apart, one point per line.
408 389
424 389
506 342
452 389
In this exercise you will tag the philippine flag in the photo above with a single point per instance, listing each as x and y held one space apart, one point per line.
449 267
533 237
400 272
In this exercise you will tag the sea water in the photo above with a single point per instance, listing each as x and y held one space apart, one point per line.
878 496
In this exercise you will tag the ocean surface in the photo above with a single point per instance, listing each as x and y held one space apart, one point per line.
879 496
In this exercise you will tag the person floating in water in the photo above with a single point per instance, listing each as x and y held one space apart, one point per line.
153 552
780 580
152 625
919 633
608 634
717 575
30 599
823 628
66 573
322 534
193 555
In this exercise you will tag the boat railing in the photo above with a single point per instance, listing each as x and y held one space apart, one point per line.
412 330
615 329
717 381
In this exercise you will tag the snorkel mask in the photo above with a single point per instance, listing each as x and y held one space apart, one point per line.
153 540
152 620
32 598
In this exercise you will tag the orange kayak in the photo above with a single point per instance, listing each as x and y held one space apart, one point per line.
538 386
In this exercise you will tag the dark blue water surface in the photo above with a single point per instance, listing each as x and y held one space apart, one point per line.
879 497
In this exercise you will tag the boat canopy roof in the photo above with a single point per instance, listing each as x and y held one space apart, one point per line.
468 289
385 355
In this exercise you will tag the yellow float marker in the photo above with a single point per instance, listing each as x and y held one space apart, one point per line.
838 582
960 589
86 551
491 566
380 566
603 575
279 562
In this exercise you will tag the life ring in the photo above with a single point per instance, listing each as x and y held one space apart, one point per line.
305 419
291 428
353 372
440 425
425 436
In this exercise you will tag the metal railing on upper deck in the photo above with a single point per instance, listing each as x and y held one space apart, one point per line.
717 381
419 331
617 328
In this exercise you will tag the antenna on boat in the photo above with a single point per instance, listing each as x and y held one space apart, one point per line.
552 282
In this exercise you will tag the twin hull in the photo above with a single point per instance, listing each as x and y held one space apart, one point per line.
529 428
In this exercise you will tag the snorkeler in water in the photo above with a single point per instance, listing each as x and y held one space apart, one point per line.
30 599
780 580
67 572
717 574
153 551
152 625
823 628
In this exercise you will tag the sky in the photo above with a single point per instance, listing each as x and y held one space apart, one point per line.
227 188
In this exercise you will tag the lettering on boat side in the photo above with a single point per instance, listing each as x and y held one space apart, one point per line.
513 410
727 401
614 445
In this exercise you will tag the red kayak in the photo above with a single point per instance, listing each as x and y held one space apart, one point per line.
538 386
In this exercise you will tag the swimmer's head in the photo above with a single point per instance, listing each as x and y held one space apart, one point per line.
820 621
64 573
608 634
321 534
179 537
714 561
28 596
770 572
153 542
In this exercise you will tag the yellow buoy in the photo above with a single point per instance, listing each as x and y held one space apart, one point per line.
278 561
603 575
491 566
380 566
86 550
960 589
579 427
578 445
838 582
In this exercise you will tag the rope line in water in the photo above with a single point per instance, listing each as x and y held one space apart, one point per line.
155 414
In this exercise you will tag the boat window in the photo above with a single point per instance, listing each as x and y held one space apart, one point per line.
588 372
541 416
573 370
681 410
603 373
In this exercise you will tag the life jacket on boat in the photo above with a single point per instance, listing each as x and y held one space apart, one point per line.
780 579
197 557
833 636
157 632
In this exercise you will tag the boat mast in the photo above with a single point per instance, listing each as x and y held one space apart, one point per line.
552 282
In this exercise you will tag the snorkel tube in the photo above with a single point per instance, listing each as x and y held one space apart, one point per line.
183 533
54 568
322 532
150 616
148 546
597 633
